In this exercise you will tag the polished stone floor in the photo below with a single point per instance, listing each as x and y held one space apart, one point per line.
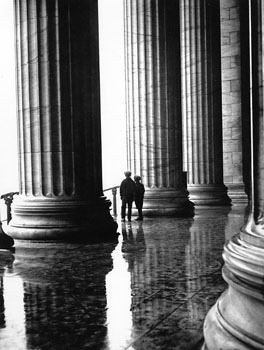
150 290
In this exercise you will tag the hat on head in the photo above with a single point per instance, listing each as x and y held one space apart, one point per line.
137 177
127 173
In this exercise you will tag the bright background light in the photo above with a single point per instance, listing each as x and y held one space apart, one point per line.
112 72
8 129
13 335
118 295
112 95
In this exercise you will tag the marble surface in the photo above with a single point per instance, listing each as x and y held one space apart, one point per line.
149 290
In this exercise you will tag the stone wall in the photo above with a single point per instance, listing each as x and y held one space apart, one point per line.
231 99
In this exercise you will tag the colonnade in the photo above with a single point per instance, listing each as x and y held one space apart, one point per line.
174 94
174 112
188 94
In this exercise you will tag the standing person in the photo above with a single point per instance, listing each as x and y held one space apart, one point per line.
139 196
127 194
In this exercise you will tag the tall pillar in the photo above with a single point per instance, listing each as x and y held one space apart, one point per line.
154 147
236 320
201 101
233 157
59 123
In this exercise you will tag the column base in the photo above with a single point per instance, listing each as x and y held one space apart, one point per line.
209 195
6 242
217 337
236 320
167 202
59 219
237 194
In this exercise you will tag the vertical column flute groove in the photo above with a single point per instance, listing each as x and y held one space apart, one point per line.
45 101
201 99
59 131
153 107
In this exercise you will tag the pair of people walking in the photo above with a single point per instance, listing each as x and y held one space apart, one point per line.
131 191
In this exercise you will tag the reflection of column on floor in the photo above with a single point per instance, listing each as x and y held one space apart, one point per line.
236 320
59 305
50 309
203 263
231 100
59 123
153 107
236 219
201 101
157 274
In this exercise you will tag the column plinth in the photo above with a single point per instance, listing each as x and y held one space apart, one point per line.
209 194
165 201
59 126
235 321
58 219
237 194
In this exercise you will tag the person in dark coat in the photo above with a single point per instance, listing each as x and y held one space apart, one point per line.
127 194
139 196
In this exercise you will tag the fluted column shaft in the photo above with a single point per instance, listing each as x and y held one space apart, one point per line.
58 117
201 101
153 105
236 320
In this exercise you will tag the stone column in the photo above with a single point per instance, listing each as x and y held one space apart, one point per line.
236 320
154 147
201 101
231 101
59 123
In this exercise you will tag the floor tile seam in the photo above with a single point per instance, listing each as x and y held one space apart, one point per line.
162 320
147 298
84 309
166 316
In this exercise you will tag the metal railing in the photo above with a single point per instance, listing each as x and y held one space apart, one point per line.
8 198
114 194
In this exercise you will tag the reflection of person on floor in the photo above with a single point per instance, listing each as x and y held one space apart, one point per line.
135 245
139 196
127 193
128 239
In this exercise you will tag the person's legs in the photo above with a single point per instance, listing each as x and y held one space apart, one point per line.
129 209
123 209
139 206
140 214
